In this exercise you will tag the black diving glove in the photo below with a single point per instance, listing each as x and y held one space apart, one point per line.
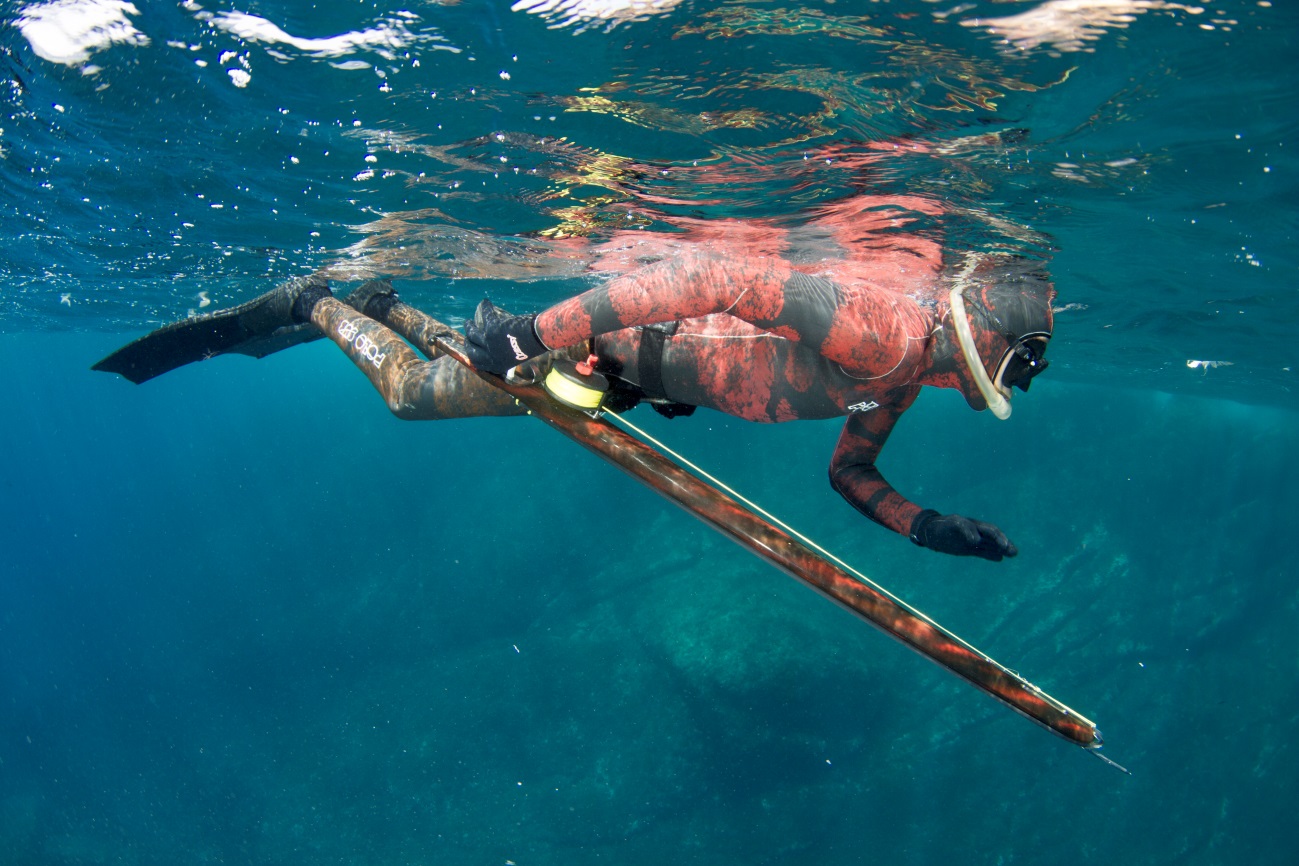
960 536
496 342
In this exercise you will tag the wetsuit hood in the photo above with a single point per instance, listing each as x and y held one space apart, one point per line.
1002 322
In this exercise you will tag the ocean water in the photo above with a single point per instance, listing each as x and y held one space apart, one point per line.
247 616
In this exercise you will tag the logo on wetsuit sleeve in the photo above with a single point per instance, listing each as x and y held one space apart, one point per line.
863 406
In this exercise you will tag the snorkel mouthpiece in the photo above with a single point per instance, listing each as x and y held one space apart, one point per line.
999 405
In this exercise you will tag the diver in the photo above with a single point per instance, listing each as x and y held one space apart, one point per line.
759 337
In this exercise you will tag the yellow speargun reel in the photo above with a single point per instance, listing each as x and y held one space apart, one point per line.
576 385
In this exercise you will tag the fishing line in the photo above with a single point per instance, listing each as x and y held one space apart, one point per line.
711 479
753 506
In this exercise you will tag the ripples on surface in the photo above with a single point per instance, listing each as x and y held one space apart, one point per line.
167 157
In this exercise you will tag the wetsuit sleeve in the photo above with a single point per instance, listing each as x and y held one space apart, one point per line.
853 473
863 333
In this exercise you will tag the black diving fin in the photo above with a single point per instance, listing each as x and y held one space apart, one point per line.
257 328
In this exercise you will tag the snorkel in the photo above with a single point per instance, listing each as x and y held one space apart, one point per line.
999 405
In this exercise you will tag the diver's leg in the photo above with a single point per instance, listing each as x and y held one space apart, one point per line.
412 388
418 327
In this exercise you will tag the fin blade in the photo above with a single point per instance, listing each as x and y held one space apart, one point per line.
198 339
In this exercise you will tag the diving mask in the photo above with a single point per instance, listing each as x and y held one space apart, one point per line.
1016 368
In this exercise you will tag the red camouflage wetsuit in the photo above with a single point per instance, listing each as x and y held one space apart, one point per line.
769 333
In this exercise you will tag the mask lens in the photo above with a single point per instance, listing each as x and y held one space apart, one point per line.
1022 362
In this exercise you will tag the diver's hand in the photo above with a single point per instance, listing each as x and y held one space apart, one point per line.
496 342
960 536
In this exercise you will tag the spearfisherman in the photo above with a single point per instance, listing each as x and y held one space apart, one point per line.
844 317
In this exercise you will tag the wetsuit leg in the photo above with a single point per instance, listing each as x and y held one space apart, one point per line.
418 327
413 389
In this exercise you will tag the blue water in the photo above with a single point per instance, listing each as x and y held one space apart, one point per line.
246 616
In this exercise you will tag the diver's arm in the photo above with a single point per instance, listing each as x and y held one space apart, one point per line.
854 475
867 330
695 281
853 472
